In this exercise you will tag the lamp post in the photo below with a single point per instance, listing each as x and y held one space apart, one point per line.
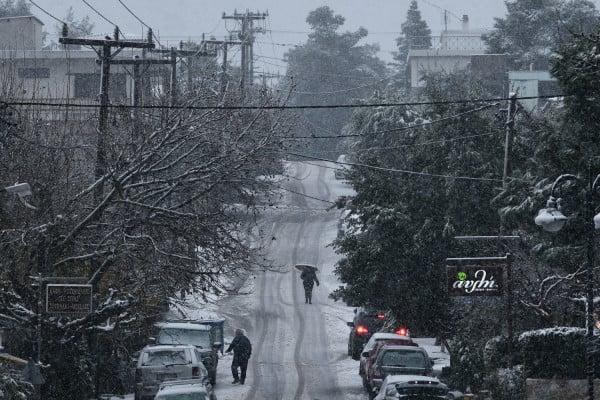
552 219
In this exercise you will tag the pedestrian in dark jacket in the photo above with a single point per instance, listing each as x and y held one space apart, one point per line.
309 277
242 349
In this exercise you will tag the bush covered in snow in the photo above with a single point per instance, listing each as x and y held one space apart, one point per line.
507 383
558 352
12 386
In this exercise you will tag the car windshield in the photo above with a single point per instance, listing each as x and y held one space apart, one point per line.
194 337
409 359
164 357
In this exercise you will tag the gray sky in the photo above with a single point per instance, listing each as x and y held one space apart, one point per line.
175 20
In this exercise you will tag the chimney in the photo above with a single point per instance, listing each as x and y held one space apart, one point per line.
465 22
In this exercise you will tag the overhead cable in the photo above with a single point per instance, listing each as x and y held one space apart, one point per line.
283 107
469 178
47 13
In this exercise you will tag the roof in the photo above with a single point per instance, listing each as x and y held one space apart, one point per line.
168 347
14 359
184 325
22 17
401 347
406 378
388 335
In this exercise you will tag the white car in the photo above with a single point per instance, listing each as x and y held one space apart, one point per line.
185 390
157 364
410 387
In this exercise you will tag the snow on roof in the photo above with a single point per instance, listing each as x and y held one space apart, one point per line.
406 378
158 347
183 325
388 335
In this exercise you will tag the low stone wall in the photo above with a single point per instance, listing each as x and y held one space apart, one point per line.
560 389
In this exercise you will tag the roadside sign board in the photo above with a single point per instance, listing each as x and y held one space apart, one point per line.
476 276
68 299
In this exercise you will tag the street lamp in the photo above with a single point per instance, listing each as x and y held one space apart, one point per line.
552 219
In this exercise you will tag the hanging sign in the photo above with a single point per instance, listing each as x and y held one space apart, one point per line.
68 299
476 276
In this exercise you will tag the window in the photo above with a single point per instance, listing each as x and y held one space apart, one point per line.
87 86
34 73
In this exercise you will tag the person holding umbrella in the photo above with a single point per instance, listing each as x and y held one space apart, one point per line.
309 277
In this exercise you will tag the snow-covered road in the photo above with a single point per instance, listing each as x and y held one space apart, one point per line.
299 349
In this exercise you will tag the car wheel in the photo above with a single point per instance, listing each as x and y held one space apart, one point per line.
365 382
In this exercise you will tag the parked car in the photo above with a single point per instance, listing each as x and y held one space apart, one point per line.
412 387
197 333
160 363
372 347
398 360
366 322
189 389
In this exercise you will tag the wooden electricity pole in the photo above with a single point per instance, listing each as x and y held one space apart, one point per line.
246 36
106 58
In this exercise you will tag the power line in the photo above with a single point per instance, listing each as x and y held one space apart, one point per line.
47 13
141 22
469 178
282 107
99 13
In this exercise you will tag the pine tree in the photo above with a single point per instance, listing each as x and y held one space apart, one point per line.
415 34
532 29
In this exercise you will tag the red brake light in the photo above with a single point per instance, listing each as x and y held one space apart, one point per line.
380 316
195 372
362 330
402 331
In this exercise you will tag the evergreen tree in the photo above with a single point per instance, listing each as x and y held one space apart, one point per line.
533 28
415 34
412 201
331 68
8 8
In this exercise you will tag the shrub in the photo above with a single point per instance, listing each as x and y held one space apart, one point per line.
507 384
558 352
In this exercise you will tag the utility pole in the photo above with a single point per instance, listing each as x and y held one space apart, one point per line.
106 59
510 130
224 46
510 133
173 54
246 36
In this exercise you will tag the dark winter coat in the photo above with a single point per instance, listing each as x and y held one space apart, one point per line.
242 349
308 279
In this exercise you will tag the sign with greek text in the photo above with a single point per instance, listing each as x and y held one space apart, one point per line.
475 277
68 299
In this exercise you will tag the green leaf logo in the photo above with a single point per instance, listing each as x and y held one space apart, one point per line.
462 276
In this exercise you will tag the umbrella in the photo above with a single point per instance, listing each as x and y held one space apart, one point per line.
306 267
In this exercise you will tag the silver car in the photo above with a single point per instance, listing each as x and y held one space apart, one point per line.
398 360
161 363
412 387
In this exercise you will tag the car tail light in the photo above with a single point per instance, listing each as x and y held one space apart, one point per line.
195 372
138 375
402 331
362 330
376 374
380 316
